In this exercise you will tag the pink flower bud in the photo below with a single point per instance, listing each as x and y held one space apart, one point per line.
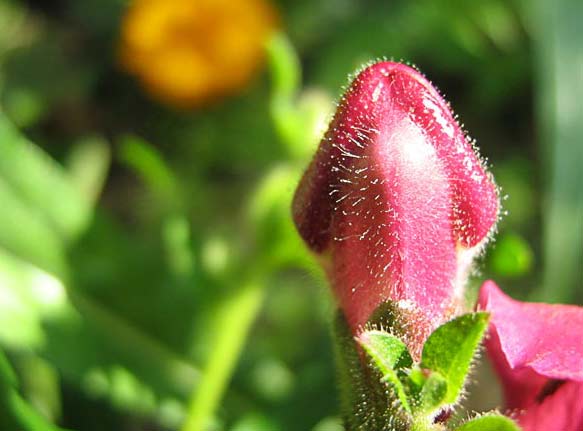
396 201
537 351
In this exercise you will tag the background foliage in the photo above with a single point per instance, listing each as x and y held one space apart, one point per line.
149 270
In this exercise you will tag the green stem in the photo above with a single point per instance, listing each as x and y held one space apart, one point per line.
233 321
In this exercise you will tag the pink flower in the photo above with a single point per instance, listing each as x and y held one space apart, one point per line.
396 202
537 351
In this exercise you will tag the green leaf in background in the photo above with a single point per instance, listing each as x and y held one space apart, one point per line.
116 362
286 80
299 118
40 76
88 164
255 422
511 256
45 208
41 183
147 162
15 413
329 424
516 177
490 422
25 233
41 385
450 349
388 354
29 295
270 223
11 20
7 375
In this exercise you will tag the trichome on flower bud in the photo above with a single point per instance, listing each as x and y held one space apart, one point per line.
396 202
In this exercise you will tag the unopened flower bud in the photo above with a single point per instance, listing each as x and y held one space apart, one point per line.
396 201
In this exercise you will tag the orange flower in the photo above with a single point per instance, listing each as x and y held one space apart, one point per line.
188 52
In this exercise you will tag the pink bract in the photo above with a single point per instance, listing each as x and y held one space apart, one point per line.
396 202
537 351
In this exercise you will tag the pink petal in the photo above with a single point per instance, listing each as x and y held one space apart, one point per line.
545 338
537 351
396 200
560 411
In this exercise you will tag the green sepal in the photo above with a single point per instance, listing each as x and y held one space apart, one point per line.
490 422
368 401
450 349
388 354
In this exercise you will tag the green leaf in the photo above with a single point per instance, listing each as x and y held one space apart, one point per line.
118 356
23 416
269 221
88 163
450 349
433 393
29 295
149 164
7 375
284 66
298 117
15 412
512 256
389 354
25 233
366 404
387 350
40 183
490 422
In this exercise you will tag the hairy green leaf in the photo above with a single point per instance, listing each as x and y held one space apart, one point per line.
490 422
450 349
388 354
433 393
366 402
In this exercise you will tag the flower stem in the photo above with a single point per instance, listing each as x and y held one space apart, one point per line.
233 321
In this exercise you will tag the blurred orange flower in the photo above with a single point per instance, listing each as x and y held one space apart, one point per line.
188 52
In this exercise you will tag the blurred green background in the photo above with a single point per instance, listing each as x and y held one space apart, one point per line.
150 275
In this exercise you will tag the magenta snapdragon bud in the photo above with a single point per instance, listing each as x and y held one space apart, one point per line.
396 201
537 352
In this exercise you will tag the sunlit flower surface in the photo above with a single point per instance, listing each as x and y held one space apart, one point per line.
187 53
